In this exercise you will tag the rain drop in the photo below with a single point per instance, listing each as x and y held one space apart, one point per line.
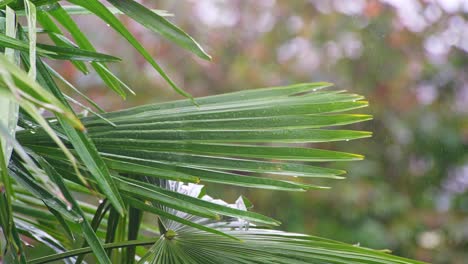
69 207
347 139
101 201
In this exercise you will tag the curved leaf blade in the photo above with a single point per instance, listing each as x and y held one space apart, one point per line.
56 52
100 10
159 24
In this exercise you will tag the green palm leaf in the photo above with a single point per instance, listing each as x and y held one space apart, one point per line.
186 242
214 154
153 159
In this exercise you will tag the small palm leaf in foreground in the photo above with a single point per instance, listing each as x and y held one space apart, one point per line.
179 243
235 139
183 244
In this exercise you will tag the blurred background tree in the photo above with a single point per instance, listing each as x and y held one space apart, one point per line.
408 57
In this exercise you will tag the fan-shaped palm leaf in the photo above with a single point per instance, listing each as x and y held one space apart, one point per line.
152 159
169 141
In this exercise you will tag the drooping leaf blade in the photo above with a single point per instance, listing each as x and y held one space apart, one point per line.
54 33
56 52
100 10
62 17
159 24
83 145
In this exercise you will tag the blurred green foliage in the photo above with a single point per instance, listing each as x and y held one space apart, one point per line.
408 57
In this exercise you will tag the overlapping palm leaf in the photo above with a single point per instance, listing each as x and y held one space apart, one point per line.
236 139
135 161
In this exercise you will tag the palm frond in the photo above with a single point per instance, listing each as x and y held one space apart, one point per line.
142 155
153 159
182 243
